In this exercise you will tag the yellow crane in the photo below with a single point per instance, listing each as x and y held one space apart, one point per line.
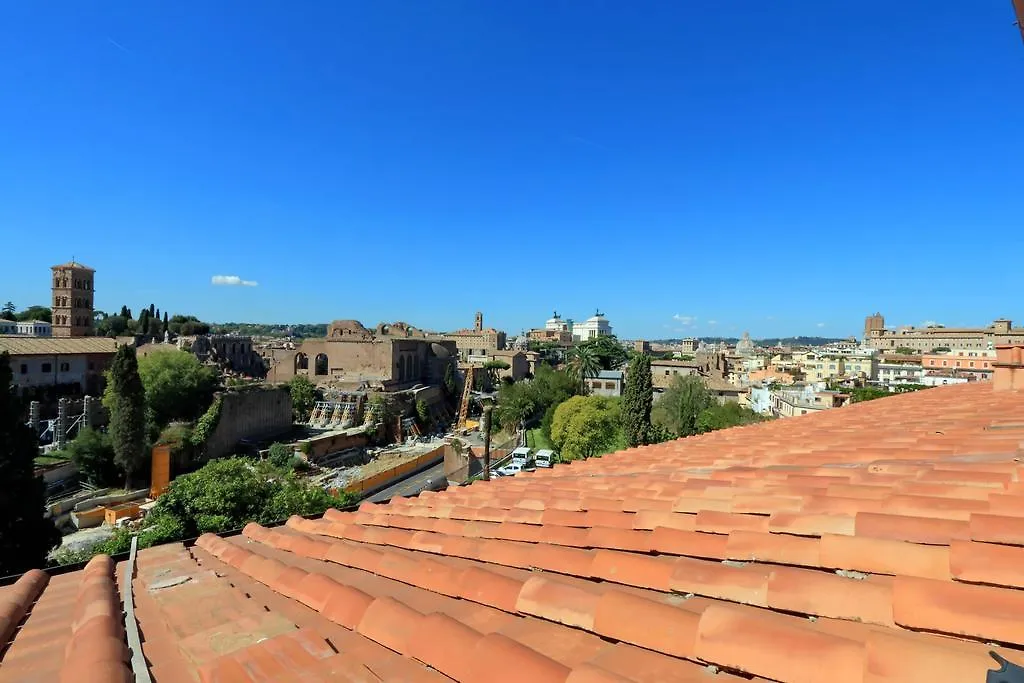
467 389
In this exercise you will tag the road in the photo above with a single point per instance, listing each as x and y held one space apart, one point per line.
411 486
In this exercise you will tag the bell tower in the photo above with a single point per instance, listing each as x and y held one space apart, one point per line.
72 300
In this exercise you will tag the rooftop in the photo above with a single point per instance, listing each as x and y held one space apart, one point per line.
676 363
21 345
879 542
73 264
609 374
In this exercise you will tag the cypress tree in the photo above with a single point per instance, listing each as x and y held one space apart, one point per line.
164 331
25 535
152 310
637 399
127 412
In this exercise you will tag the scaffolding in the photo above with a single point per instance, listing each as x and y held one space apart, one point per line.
56 433
339 413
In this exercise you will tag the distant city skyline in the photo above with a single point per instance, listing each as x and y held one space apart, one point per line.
691 168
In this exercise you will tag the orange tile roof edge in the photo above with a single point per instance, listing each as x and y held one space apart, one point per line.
877 542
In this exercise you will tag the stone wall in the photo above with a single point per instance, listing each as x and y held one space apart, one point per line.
249 414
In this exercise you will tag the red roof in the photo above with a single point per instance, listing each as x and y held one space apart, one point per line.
878 543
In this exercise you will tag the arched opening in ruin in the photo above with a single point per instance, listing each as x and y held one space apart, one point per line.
301 362
320 364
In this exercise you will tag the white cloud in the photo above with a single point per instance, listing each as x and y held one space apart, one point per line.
232 281
685 319
821 324
712 323
930 323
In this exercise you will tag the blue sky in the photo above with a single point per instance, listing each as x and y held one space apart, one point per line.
698 167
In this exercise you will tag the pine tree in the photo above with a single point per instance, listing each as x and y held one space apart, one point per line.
637 400
127 406
25 535
126 313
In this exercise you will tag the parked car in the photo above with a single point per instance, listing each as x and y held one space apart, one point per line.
511 469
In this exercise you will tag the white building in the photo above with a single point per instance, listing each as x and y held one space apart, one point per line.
556 324
899 373
28 328
35 328
591 328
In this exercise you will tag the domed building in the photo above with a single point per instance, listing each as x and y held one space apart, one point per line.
556 324
745 346
595 326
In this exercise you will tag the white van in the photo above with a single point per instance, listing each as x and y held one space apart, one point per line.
521 457
545 458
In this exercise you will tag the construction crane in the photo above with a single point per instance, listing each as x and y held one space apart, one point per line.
467 389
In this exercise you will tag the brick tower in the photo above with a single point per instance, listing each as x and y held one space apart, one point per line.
72 300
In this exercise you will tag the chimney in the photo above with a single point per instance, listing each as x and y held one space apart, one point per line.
1009 366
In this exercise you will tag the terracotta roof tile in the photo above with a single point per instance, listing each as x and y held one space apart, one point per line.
880 543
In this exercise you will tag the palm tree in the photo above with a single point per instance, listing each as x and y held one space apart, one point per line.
584 364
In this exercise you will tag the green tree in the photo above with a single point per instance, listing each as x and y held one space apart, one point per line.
679 408
637 400
552 386
724 415
584 365
7 312
423 413
36 313
187 325
492 369
862 394
25 535
126 313
516 404
93 453
125 399
229 493
177 386
164 327
280 455
608 350
111 326
585 426
451 386
905 351
304 396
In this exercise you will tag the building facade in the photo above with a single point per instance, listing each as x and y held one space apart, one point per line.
477 341
664 372
52 367
72 300
893 374
606 383
34 328
389 358
928 339
593 327
980 364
